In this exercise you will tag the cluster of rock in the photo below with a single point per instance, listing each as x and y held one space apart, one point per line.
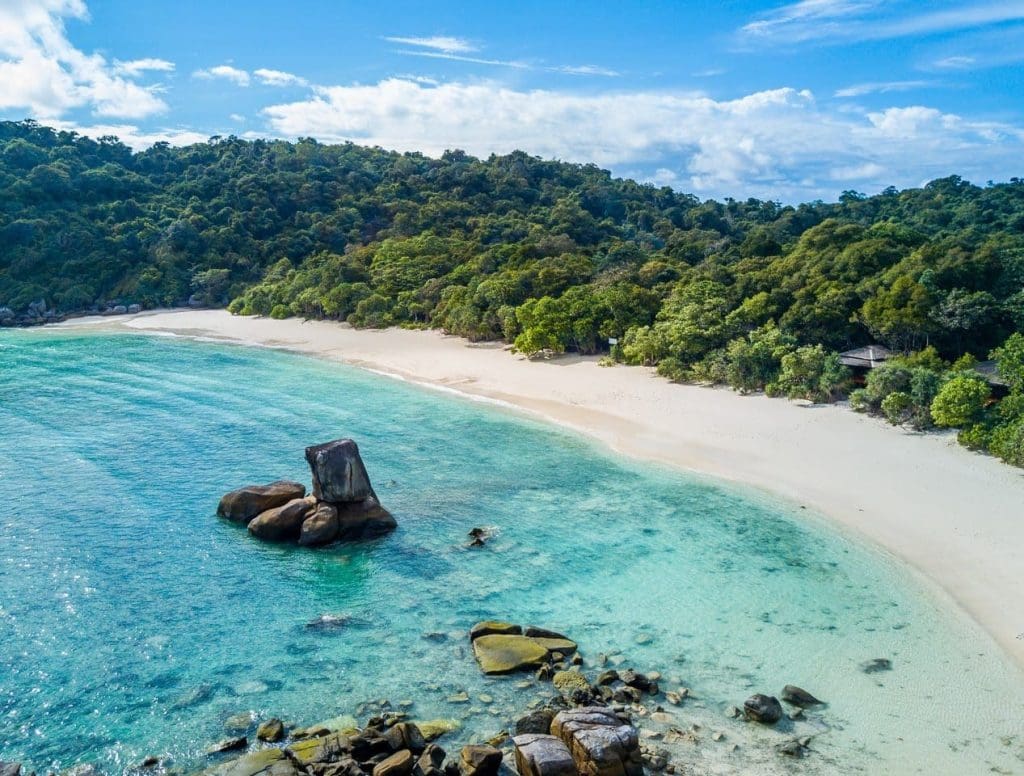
36 314
342 507
387 746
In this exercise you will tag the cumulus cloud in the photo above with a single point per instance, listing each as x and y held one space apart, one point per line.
442 43
130 134
42 73
278 78
137 67
227 72
778 143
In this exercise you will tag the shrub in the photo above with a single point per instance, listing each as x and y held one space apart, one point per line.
960 401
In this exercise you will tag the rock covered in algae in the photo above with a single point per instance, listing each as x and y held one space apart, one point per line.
500 654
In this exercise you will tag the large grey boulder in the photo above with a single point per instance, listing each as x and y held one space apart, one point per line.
339 475
543 755
10 769
601 744
282 523
244 504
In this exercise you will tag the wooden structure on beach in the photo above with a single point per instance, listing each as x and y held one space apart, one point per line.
865 358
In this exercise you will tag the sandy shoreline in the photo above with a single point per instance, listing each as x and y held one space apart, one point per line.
954 516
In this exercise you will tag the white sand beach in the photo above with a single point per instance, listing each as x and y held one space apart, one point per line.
955 516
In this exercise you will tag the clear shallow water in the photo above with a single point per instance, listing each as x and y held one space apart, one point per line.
133 622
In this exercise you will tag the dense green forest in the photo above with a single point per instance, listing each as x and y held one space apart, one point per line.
550 256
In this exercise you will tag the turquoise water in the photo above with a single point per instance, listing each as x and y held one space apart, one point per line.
133 622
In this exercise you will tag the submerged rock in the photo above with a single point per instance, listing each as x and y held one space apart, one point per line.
244 504
329 622
339 475
282 523
567 682
765 709
876 665
798 696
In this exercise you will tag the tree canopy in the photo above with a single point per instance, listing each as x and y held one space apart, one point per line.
550 256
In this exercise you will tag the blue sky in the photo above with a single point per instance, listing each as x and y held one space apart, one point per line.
788 101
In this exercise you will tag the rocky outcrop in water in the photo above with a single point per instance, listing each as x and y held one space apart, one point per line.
343 505
505 648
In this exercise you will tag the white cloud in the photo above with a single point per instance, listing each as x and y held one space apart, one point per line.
137 67
278 78
131 135
798 21
460 58
776 144
227 72
882 87
834 20
587 70
954 63
237 117
442 43
42 73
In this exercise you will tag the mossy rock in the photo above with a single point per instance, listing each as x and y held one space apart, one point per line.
565 646
500 654
494 627
432 729
567 682
321 749
251 764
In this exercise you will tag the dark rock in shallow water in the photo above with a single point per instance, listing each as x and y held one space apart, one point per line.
876 665
765 709
798 696
271 731
538 721
329 622
244 504
543 755
283 523
363 520
339 475
479 760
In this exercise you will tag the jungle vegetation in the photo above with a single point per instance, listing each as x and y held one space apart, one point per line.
549 256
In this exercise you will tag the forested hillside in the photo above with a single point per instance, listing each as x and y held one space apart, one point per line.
548 255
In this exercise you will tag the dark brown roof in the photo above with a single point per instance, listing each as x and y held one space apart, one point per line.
867 357
988 370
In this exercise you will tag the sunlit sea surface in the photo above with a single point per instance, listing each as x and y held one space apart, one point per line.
134 622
